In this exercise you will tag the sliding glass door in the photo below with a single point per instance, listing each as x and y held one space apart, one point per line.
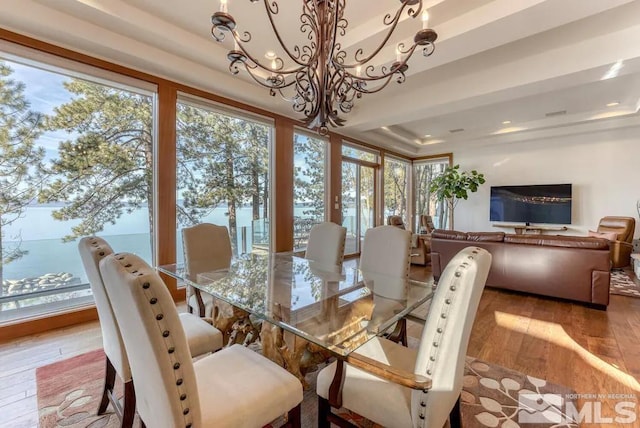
359 168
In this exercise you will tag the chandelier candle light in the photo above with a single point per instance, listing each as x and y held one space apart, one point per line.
318 76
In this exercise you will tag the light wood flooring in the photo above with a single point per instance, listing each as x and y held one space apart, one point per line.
586 349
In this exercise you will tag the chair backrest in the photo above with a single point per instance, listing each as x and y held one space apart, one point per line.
165 381
624 226
395 220
326 243
207 247
445 337
386 250
426 224
93 249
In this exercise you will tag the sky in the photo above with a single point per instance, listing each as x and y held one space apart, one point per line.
44 90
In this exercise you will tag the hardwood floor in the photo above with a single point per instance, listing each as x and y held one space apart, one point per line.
591 351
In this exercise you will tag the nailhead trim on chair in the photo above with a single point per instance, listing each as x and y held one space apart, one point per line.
441 327
170 346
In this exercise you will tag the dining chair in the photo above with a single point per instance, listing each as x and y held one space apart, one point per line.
234 387
202 337
207 247
326 244
433 373
387 250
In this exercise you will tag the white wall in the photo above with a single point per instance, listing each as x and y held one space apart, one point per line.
604 168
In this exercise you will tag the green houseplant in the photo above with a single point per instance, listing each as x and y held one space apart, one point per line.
453 185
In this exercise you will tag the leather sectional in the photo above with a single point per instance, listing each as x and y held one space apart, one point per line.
566 267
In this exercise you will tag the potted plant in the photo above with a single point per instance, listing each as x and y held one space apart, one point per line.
453 185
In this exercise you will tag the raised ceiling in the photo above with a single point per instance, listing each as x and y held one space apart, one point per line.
546 66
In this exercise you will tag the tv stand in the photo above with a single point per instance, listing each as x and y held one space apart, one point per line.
520 229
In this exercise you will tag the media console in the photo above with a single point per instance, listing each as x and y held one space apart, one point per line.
521 229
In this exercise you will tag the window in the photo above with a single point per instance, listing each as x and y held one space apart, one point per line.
396 188
425 202
223 173
359 153
76 153
309 186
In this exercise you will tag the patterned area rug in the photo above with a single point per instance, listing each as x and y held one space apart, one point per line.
69 392
624 283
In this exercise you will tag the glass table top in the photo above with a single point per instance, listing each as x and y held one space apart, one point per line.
336 307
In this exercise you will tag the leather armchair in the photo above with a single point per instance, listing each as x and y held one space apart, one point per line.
420 243
622 247
426 224
395 220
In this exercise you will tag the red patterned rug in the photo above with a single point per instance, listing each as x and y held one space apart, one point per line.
69 392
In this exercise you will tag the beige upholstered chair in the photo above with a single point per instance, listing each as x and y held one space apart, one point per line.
235 387
440 358
207 247
622 247
326 244
202 337
386 251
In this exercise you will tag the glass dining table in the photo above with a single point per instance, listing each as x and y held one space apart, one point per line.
309 307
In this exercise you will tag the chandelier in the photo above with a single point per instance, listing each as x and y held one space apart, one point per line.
318 77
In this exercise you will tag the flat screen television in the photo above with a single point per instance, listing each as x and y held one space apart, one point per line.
544 203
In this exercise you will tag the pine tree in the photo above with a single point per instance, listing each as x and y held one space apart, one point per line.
105 169
222 160
20 160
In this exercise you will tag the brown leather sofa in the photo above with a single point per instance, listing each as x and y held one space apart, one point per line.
567 267
622 247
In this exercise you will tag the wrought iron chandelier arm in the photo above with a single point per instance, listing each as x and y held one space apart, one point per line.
272 9
338 23
279 69
389 77
396 67
279 79
388 21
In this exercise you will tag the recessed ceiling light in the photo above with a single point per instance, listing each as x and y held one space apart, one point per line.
385 128
506 122
427 136
613 104
270 55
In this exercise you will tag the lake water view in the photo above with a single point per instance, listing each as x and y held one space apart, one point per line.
42 237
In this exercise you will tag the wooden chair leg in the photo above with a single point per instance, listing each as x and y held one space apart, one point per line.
455 419
323 412
294 417
200 303
326 417
129 411
109 380
399 333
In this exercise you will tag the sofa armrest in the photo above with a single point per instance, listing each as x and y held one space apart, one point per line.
600 283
